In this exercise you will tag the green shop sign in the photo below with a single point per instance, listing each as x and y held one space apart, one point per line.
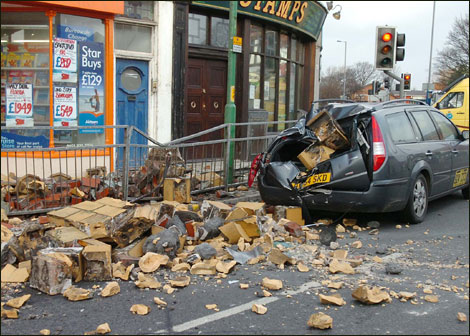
304 16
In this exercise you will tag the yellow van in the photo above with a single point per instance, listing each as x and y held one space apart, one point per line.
454 104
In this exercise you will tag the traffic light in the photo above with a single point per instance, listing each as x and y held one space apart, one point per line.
406 81
387 83
400 52
377 87
385 44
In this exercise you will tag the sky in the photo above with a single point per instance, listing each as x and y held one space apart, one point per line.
358 23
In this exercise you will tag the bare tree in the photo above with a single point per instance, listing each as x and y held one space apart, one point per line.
358 75
452 61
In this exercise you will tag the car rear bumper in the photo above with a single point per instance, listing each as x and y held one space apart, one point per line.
383 196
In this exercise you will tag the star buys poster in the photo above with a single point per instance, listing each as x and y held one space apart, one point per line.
91 86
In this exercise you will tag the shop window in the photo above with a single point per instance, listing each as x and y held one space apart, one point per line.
141 10
197 29
204 30
25 74
81 86
275 87
219 32
133 38
254 101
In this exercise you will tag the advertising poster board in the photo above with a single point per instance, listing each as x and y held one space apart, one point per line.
19 105
65 60
65 106
78 33
91 86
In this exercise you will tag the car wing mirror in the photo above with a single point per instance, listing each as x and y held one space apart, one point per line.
465 134
438 106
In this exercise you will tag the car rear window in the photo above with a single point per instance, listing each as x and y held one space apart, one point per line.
400 128
425 124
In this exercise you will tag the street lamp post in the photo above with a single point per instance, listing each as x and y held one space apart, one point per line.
344 81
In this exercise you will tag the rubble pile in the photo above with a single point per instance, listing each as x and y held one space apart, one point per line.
110 239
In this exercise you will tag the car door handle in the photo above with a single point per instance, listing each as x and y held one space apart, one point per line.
429 153
454 151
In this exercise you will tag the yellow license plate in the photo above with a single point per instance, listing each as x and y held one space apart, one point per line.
460 177
314 179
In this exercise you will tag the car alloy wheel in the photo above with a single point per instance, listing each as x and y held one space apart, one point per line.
419 197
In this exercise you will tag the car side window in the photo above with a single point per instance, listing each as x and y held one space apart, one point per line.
400 128
453 100
448 130
426 126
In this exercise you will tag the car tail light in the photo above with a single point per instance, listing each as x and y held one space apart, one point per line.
254 169
378 145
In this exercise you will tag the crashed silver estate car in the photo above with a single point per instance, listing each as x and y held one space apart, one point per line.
365 157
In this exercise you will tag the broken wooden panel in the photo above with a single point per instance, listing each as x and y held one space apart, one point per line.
51 273
97 262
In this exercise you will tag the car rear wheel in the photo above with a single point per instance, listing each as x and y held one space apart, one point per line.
417 205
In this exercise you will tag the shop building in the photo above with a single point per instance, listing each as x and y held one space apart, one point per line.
275 69
158 65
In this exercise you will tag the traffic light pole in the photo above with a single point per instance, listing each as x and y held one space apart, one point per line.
401 80
230 108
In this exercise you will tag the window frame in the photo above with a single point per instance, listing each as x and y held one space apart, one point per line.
413 130
441 134
297 59
419 127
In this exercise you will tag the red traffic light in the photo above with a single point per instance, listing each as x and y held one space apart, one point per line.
387 37
407 77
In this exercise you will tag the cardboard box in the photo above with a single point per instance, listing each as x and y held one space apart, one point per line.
314 154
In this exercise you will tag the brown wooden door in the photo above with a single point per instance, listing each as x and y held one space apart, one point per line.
205 104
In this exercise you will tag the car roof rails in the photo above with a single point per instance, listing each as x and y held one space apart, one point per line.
311 113
333 100
399 101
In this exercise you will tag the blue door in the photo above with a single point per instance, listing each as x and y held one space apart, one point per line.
132 104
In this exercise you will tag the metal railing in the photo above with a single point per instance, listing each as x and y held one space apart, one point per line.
37 180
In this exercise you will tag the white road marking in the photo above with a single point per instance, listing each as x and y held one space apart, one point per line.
238 309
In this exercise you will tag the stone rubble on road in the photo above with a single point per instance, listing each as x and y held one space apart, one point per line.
164 245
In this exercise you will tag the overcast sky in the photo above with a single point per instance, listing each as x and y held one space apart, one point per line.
358 23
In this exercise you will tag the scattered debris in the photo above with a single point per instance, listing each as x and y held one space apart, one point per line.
77 294
271 284
461 317
140 309
335 299
431 298
112 288
18 302
259 309
371 295
320 321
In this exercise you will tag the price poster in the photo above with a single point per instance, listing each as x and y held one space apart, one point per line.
65 60
65 106
91 86
19 105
